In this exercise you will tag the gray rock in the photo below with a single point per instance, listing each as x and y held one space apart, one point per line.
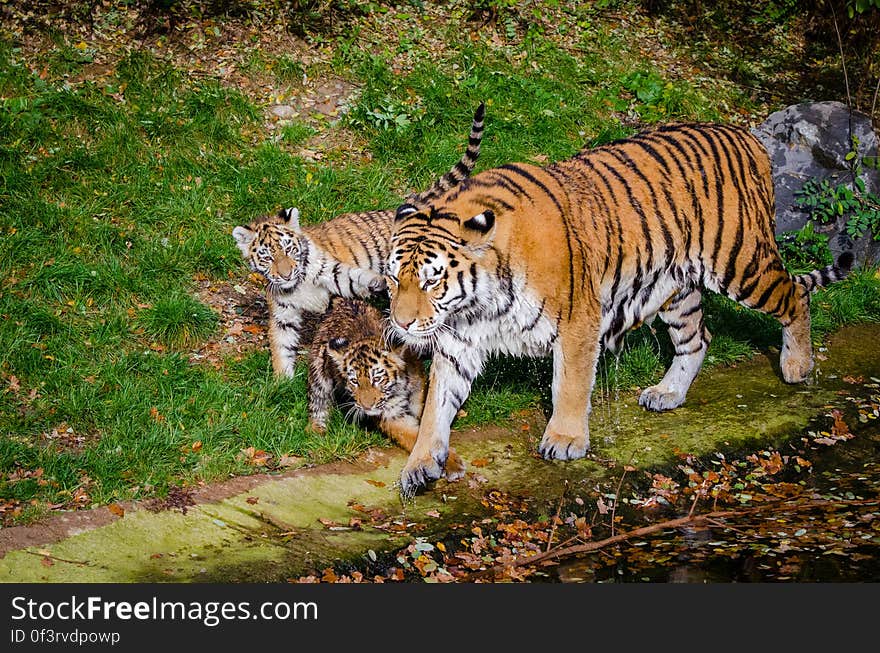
282 111
811 140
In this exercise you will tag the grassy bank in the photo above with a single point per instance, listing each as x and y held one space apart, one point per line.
126 162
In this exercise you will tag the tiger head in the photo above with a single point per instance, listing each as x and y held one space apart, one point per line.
377 376
273 246
434 267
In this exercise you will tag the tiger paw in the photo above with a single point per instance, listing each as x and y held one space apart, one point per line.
417 474
556 446
455 467
658 398
795 369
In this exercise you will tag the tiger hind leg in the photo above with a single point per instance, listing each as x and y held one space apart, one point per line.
779 295
684 316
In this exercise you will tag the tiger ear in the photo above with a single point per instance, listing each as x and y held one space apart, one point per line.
244 236
290 217
404 210
481 223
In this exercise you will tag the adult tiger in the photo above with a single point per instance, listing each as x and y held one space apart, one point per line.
567 258
305 266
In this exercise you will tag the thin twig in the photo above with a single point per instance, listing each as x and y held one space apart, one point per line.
694 504
874 102
589 547
56 558
842 58
556 516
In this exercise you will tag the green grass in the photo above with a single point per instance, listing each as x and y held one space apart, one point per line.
119 192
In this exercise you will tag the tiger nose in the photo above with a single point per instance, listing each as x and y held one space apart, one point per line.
404 325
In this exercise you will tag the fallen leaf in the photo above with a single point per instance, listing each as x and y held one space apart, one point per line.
46 561
375 483
256 457
289 461
252 500
480 462
196 446
116 509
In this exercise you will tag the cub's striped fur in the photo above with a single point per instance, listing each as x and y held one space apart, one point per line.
567 258
307 265
350 353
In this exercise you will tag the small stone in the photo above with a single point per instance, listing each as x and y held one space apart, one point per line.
283 111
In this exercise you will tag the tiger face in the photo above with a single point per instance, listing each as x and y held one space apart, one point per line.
374 375
431 277
272 247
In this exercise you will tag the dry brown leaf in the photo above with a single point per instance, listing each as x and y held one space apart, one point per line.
116 509
375 483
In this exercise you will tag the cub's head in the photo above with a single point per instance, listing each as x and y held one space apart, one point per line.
376 375
272 246
436 267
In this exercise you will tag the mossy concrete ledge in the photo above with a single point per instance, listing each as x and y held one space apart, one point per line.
272 528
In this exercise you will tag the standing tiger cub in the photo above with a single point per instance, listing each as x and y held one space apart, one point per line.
350 353
305 266
565 259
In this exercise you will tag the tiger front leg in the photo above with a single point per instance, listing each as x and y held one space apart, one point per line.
285 323
320 392
447 391
575 353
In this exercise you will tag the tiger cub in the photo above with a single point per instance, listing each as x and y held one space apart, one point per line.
307 265
564 259
349 353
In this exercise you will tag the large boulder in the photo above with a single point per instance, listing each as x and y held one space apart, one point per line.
811 141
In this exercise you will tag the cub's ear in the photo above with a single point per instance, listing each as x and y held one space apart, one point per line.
481 223
338 344
290 217
244 236
404 210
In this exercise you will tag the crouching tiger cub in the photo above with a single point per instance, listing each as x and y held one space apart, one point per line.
350 353
565 259
307 265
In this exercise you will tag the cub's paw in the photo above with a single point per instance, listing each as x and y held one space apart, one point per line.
377 284
658 398
556 446
418 473
318 428
455 467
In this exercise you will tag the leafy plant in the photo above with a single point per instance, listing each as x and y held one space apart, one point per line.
658 98
826 202
389 115
805 249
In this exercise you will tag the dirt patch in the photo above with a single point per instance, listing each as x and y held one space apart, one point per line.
243 316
